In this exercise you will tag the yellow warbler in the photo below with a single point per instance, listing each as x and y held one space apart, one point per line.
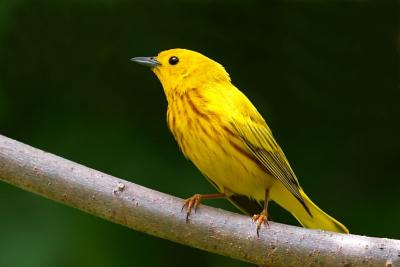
222 133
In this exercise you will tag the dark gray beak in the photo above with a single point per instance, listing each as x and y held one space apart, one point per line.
146 61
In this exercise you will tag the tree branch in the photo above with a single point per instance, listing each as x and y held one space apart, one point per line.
158 214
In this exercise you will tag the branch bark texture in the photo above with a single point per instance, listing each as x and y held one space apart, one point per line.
159 214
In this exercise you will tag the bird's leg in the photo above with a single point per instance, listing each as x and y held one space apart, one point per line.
194 201
261 218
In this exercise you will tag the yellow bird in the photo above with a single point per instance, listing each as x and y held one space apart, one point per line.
221 132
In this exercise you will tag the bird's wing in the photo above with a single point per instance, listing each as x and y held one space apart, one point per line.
257 137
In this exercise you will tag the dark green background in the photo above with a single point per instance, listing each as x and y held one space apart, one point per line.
325 76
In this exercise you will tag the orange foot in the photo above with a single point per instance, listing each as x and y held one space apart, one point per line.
259 219
190 204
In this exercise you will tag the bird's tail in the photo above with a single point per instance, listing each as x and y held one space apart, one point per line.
308 214
318 219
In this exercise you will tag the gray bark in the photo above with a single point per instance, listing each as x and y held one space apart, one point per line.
159 214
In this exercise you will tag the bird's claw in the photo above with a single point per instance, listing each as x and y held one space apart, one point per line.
191 204
259 219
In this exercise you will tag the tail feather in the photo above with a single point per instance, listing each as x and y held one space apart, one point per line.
319 219
312 216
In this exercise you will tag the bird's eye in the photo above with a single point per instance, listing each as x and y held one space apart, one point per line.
173 60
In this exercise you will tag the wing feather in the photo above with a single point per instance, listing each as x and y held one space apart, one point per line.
260 142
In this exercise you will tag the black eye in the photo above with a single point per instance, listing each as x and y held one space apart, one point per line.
173 60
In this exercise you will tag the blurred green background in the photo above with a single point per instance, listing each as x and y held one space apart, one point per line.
325 76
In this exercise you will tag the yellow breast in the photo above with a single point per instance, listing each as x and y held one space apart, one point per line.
207 138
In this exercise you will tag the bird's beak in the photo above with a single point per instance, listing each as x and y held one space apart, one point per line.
146 61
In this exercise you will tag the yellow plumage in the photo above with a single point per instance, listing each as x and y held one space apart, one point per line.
223 134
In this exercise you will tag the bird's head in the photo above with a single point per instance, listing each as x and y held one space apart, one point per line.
180 70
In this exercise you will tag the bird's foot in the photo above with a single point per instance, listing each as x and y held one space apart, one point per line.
191 204
260 219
